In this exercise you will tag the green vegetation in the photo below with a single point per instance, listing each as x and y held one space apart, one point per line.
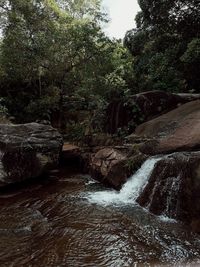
55 59
166 46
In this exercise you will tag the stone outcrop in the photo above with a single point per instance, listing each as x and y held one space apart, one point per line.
70 152
174 187
27 150
112 166
103 161
178 130
143 107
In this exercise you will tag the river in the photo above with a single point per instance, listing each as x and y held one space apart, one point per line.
52 222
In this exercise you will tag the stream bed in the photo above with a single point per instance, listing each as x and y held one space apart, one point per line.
52 222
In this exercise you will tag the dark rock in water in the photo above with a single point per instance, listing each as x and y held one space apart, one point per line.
178 130
143 107
112 166
195 225
27 150
70 151
103 161
174 187
73 156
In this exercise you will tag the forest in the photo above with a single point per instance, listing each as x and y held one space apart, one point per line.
99 137
55 58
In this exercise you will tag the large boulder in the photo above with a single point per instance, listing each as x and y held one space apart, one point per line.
27 150
178 130
143 107
174 187
113 166
75 157
70 152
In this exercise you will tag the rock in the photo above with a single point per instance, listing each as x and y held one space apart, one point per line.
27 150
113 166
195 226
189 97
74 156
70 151
143 107
45 122
178 130
174 187
103 161
136 139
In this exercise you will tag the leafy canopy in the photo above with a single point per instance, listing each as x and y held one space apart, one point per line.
53 48
165 45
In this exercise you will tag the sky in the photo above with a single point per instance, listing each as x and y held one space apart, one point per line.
121 14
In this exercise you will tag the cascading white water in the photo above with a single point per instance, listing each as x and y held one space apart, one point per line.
131 189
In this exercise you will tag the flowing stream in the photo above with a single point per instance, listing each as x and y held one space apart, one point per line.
70 220
131 189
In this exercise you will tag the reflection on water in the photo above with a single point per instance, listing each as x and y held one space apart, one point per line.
51 223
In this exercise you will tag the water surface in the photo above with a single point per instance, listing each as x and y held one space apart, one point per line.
51 222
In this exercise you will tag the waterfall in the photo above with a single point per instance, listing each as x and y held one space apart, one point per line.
131 189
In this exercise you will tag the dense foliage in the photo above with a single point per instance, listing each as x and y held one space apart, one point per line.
166 45
51 49
56 62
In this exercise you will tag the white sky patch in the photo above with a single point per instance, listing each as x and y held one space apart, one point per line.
122 16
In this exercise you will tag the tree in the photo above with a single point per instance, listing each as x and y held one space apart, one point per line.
163 35
82 9
45 46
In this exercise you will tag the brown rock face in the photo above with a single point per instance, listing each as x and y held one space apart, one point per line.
112 167
174 187
143 106
70 153
178 130
27 150
103 162
195 226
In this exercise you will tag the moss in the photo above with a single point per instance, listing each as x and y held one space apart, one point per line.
135 162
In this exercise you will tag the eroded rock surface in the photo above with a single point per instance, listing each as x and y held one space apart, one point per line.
27 150
178 130
143 107
174 187
113 166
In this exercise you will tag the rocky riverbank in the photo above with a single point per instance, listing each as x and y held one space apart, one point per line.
174 185
29 150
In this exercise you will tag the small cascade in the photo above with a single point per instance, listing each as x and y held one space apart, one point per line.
169 189
162 186
161 196
172 203
131 189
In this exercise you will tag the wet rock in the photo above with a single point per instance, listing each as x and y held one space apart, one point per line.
75 156
174 187
195 226
27 150
143 107
103 161
70 151
178 130
112 166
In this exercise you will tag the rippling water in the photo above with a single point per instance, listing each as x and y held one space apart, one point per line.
51 223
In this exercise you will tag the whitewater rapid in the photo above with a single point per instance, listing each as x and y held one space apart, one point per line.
130 190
